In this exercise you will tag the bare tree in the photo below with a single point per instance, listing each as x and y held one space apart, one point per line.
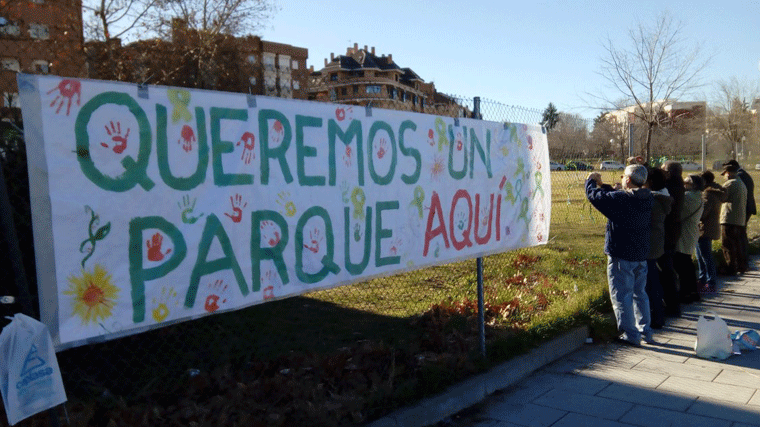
107 20
609 135
731 117
214 17
656 67
569 137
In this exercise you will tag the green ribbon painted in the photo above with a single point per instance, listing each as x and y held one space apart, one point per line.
180 99
524 212
358 198
518 189
419 197
440 128
538 184
510 194
520 167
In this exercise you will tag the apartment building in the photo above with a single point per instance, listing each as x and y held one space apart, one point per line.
360 77
39 36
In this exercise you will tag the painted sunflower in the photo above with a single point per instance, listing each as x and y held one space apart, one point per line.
94 294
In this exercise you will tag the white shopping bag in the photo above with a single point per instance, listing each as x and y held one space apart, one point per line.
29 374
713 338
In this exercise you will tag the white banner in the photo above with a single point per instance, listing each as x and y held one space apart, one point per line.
153 205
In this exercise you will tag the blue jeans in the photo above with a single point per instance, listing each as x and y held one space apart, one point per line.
707 271
628 281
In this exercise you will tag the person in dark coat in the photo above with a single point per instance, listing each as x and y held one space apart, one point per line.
751 206
662 203
668 277
626 244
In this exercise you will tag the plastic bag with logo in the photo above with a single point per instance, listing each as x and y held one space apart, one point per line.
30 378
713 338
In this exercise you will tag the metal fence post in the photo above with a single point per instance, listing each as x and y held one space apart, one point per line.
481 311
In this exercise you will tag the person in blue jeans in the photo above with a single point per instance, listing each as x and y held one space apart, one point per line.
626 243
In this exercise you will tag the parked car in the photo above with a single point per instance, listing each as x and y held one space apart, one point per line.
691 166
578 166
557 166
611 165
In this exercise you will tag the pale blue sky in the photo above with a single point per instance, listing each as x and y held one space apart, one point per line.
528 53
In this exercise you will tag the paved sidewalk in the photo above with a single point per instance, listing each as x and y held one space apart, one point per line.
664 385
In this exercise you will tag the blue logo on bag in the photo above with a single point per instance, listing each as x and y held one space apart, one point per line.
30 371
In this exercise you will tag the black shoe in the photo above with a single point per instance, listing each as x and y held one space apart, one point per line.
621 340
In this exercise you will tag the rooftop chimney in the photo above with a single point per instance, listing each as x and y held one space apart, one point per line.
373 50
332 56
356 46
390 57
325 62
365 47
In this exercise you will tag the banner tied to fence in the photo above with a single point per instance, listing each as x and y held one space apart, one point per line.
153 204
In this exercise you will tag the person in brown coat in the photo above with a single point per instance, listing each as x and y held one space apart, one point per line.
709 230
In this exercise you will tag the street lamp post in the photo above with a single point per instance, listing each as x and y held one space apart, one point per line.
704 148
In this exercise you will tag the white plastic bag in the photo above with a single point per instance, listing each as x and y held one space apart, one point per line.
30 378
713 338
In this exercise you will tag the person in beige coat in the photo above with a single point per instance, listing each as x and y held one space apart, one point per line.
709 229
687 241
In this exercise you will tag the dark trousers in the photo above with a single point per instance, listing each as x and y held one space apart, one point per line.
731 238
654 292
687 277
669 283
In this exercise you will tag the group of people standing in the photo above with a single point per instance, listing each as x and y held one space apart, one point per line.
657 219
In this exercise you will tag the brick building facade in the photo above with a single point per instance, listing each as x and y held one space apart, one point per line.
39 36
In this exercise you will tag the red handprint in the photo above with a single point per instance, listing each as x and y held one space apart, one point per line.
459 141
67 89
381 150
249 141
212 303
279 131
154 248
269 292
188 137
340 114
530 142
347 156
120 142
237 208
314 243
431 134
267 227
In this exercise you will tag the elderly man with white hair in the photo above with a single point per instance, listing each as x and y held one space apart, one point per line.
628 212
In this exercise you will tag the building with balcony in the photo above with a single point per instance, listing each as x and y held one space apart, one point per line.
360 77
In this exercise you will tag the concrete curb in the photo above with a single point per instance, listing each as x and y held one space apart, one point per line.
474 390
